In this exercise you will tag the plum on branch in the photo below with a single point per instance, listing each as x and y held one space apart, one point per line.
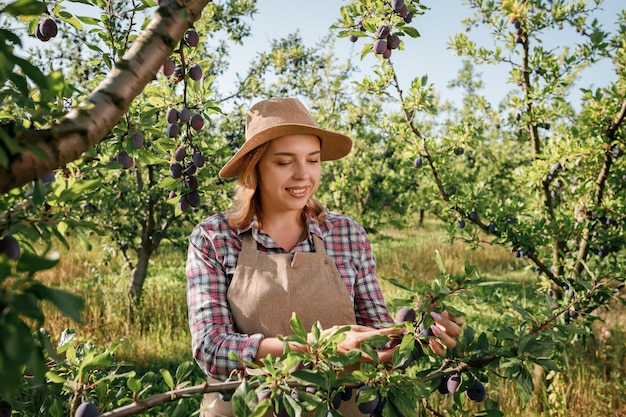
10 247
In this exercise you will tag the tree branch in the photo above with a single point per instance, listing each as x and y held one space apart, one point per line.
93 119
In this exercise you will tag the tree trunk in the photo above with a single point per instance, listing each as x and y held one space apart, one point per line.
139 273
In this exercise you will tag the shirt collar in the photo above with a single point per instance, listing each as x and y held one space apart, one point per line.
313 227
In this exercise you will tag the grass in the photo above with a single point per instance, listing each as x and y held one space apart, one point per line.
156 333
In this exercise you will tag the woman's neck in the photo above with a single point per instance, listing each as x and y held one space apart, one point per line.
287 231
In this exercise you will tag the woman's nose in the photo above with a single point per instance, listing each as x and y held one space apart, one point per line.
302 170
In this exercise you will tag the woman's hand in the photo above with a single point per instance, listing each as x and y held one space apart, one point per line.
447 328
357 334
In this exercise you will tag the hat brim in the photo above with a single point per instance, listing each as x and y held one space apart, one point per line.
332 145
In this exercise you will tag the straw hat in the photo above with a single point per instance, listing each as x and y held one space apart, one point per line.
278 117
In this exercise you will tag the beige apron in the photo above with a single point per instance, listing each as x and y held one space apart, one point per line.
267 288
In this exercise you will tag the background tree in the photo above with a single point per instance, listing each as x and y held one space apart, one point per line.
566 156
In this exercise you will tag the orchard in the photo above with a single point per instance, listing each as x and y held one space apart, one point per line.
112 129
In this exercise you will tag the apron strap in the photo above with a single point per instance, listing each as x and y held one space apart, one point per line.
319 244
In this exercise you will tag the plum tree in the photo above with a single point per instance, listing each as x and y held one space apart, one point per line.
49 83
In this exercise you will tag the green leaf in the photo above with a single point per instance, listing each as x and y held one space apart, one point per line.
167 377
506 333
25 8
32 72
30 262
55 378
525 386
71 19
370 351
309 377
397 283
468 335
411 31
79 189
88 20
489 413
442 268
93 360
548 364
17 342
27 304
69 304
245 402
297 326
84 241
368 394
134 384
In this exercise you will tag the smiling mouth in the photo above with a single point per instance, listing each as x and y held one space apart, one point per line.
297 191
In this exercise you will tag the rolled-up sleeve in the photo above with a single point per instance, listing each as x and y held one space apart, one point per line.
348 243
213 334
370 307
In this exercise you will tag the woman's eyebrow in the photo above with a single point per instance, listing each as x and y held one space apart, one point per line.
293 153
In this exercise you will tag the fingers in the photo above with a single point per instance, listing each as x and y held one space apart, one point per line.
447 328
357 335
447 340
460 320
446 324
437 347
386 355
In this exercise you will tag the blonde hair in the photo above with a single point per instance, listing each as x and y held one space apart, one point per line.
247 204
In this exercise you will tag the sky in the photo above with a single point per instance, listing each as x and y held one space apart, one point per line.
427 55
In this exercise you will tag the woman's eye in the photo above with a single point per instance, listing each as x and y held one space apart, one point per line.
314 161
282 163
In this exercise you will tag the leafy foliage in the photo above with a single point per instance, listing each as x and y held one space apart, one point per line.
467 165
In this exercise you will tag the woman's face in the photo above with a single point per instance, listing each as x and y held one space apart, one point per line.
289 173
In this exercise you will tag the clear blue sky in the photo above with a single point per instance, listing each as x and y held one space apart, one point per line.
425 55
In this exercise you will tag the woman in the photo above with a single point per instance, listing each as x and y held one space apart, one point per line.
279 251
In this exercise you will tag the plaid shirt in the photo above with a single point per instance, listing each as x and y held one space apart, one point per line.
212 258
